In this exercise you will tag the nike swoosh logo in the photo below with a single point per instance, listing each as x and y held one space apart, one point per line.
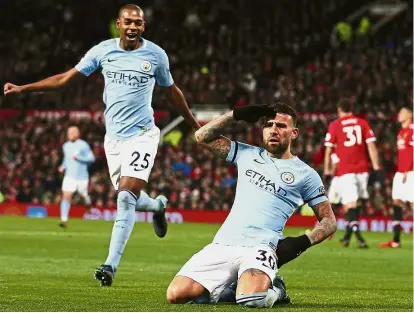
257 161
109 60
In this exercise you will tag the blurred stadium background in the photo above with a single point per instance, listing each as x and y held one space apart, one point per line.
222 55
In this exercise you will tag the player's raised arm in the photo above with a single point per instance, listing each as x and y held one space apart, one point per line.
326 225
51 83
210 135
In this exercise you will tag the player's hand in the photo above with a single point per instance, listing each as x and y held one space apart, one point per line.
404 179
9 88
378 176
75 157
61 169
252 113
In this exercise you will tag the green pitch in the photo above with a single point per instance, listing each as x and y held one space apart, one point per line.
44 268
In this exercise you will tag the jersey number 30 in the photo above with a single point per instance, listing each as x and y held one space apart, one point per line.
268 260
353 134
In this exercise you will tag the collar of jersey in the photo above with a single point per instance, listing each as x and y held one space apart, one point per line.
118 47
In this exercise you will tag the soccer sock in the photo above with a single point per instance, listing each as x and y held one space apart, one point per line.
64 210
363 206
146 203
396 227
355 224
348 229
124 223
260 299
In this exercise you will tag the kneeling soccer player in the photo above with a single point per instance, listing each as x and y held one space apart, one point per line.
272 184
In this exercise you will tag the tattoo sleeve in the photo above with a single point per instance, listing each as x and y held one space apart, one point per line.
326 225
210 136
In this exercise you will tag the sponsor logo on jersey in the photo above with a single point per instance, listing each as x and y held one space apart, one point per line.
260 180
128 78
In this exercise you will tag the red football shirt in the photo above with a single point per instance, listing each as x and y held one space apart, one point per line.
349 135
405 143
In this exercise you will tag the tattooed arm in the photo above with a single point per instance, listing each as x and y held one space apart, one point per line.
326 225
210 136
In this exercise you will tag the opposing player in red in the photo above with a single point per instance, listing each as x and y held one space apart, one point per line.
351 137
403 183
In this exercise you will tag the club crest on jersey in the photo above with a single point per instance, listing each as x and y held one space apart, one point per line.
287 177
146 66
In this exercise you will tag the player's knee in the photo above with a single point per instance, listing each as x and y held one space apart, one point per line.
176 294
135 185
126 197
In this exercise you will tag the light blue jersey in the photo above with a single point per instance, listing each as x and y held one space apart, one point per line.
77 169
130 78
268 192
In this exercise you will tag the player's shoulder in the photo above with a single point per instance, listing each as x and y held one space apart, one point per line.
104 47
153 47
305 169
109 43
334 123
362 121
83 142
246 147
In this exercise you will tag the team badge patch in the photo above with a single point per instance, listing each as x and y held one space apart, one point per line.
146 66
287 177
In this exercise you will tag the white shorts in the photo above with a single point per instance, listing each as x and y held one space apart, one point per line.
217 266
403 192
334 195
133 157
72 185
352 187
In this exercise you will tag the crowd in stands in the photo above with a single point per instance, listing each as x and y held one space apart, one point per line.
224 53
229 54
189 175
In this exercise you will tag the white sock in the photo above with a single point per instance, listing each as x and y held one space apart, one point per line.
124 223
64 210
146 203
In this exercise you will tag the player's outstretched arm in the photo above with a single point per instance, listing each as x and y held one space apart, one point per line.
47 84
210 136
176 96
326 225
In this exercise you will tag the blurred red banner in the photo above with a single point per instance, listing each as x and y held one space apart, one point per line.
179 216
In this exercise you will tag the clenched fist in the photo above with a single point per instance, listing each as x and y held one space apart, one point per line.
9 88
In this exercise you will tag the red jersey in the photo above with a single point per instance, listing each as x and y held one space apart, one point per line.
405 143
349 135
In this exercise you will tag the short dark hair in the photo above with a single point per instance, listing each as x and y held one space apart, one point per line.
128 6
345 105
283 108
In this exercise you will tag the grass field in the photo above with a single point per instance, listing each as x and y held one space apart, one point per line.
45 268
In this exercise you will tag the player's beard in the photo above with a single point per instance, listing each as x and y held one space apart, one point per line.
277 150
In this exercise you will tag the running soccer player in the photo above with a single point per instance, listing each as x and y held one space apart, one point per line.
272 184
77 156
351 137
403 183
131 65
